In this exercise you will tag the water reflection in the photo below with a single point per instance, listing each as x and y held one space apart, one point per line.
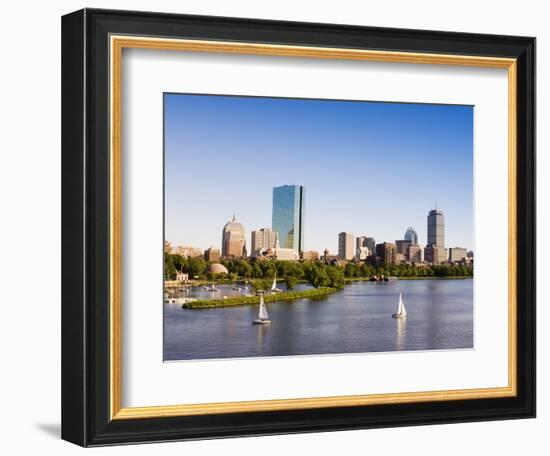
401 333
356 319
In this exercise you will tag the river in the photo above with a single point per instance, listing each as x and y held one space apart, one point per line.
357 319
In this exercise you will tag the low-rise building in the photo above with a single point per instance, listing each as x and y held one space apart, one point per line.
286 254
434 254
182 277
188 251
414 254
457 254
309 255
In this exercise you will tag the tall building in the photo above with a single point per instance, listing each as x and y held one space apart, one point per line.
212 254
288 216
436 228
435 251
233 240
263 238
346 250
457 254
411 235
370 243
387 252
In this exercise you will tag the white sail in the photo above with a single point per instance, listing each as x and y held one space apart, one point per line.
262 315
274 286
401 307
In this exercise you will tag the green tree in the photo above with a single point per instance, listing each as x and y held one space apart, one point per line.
261 284
335 277
196 267
169 269
290 282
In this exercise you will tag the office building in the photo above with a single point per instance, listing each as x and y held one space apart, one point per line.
402 246
436 228
261 239
346 249
187 251
457 254
386 251
362 253
434 254
370 243
309 255
282 254
233 240
414 254
212 254
288 216
411 235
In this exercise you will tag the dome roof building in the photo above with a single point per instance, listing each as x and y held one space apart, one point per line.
217 268
233 239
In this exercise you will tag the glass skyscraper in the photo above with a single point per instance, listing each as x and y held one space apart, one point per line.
411 235
288 216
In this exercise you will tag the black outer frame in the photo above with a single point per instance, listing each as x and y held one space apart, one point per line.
85 227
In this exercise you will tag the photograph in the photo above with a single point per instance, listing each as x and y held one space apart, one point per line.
272 226
297 227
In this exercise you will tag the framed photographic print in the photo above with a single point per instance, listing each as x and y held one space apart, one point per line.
278 227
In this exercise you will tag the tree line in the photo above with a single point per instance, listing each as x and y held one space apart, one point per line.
316 273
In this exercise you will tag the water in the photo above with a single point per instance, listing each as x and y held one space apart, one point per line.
356 319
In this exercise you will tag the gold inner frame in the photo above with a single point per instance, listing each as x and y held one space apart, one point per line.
117 44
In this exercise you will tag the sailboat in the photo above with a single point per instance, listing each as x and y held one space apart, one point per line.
274 288
263 316
401 311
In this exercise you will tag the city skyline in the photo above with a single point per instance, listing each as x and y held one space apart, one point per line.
213 169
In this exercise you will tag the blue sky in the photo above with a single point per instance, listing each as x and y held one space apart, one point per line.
369 168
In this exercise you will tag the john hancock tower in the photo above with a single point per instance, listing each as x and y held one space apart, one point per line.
288 216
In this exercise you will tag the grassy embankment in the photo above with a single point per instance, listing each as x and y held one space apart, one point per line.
251 300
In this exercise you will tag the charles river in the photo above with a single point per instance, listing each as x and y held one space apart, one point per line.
356 319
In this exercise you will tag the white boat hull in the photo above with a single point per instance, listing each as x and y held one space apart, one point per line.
398 315
261 322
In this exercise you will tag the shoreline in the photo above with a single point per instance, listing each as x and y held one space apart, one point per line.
253 300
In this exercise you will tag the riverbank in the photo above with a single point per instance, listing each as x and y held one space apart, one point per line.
251 300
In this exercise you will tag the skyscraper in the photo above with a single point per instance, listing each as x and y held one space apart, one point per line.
346 249
288 216
411 235
233 240
435 251
436 228
371 244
